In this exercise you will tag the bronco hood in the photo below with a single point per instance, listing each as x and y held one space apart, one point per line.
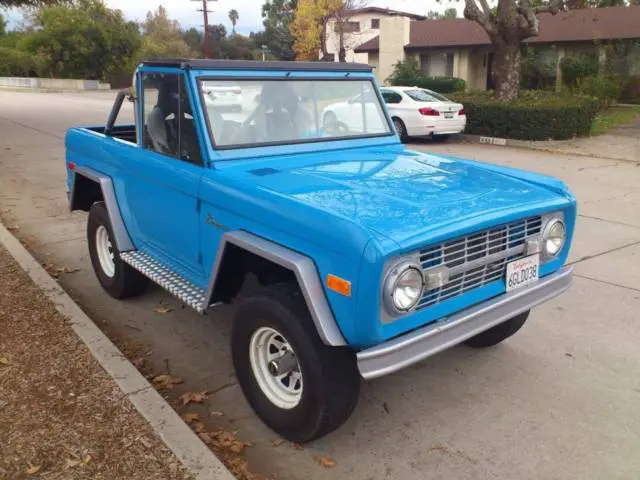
403 195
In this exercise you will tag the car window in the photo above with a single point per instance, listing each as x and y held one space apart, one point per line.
169 127
421 95
248 113
391 96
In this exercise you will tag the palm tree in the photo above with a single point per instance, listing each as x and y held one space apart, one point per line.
233 16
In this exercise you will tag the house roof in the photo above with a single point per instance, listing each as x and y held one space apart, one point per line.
387 11
571 26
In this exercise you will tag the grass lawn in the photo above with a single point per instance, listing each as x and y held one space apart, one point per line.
614 117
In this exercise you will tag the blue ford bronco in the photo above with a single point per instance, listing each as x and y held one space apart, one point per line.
369 257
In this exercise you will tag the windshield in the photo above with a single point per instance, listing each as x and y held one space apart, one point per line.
426 96
248 113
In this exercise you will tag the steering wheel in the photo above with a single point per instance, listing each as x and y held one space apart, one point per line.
335 127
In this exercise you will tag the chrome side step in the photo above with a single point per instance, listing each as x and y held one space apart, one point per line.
174 283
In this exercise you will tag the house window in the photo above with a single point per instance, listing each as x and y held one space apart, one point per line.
437 64
348 27
375 23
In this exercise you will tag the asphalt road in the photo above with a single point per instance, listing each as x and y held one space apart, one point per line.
560 400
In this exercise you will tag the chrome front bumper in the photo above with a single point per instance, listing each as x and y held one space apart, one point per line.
413 347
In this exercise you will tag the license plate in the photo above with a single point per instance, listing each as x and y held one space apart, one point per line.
448 115
522 272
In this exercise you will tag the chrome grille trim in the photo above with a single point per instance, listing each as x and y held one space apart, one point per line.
476 259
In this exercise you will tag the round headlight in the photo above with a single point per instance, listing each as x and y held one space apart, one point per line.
554 237
404 286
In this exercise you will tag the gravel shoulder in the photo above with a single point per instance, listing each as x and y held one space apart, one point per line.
61 415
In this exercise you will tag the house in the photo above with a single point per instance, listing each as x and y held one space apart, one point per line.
359 25
461 48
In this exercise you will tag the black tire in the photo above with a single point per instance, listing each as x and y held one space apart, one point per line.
401 129
125 281
497 334
330 378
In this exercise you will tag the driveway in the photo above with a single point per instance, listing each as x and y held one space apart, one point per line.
622 143
557 401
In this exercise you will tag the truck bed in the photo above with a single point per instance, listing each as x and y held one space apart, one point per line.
123 132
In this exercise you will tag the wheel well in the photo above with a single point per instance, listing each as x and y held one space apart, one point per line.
85 193
236 264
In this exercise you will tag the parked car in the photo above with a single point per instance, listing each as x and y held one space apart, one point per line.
418 112
370 257
223 97
350 112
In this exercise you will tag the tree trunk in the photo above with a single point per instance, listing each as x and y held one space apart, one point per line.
507 71
323 41
342 55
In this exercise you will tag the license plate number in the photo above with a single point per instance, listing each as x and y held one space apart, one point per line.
448 115
522 272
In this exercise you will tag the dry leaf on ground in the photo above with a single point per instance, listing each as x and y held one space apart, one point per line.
165 381
276 442
205 437
191 417
67 270
4 361
161 310
199 427
215 413
73 463
193 397
32 470
326 462
228 441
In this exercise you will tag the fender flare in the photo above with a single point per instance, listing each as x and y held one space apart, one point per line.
122 239
302 266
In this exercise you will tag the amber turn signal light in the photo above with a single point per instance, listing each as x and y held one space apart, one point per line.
340 285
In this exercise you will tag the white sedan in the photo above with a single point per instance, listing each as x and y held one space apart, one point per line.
418 112
223 97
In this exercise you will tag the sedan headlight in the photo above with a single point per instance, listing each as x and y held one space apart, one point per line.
553 237
403 287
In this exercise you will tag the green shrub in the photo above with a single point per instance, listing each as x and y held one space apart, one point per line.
536 71
407 73
606 89
578 66
439 84
14 62
631 90
535 115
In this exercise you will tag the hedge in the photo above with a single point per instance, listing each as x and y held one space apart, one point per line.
437 84
407 73
535 115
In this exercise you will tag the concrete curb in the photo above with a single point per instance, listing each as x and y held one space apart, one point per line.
508 142
164 421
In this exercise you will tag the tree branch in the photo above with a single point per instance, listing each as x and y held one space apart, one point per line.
472 12
553 7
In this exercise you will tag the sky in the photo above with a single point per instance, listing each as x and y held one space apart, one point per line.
185 11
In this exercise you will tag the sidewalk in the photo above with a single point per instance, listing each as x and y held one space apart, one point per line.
61 415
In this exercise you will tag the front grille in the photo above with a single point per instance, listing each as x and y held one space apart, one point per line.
464 257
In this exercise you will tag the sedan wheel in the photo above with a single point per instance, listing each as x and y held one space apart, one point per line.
400 129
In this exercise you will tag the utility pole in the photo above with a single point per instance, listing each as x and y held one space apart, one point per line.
207 37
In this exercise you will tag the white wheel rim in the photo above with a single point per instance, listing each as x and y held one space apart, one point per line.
104 249
284 391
